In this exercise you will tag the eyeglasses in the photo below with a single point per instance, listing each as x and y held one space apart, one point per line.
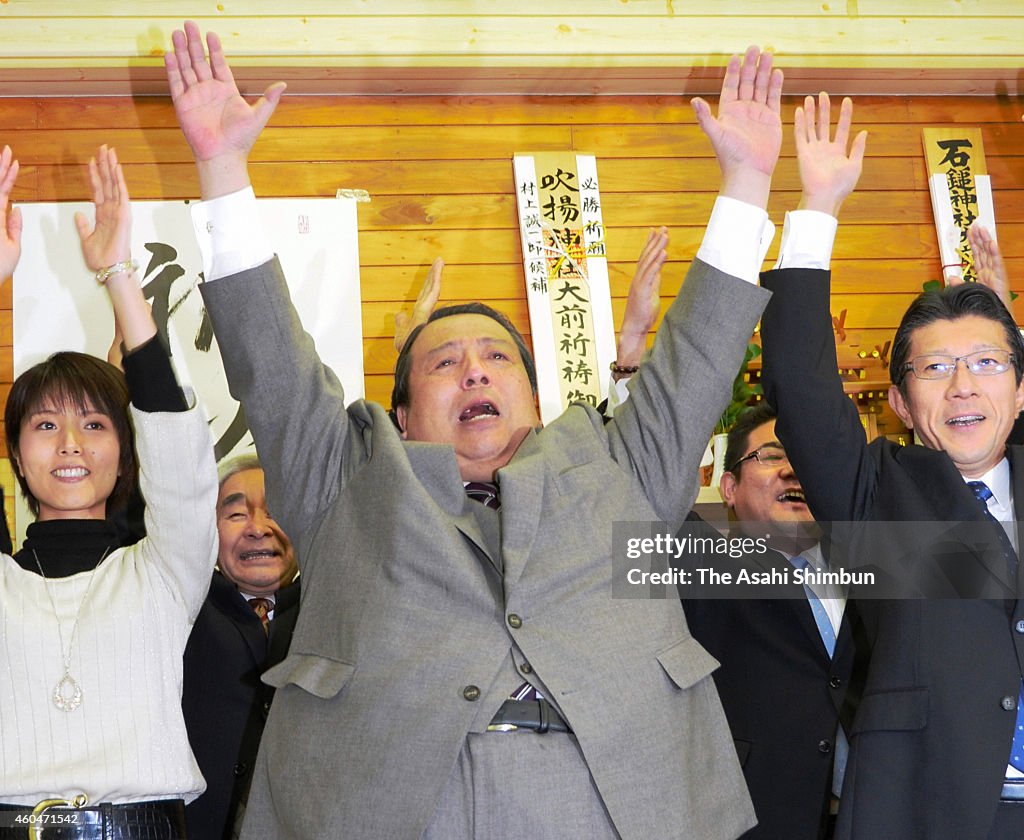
768 455
942 366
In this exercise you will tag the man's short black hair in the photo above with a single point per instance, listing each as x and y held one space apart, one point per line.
403 367
950 304
739 435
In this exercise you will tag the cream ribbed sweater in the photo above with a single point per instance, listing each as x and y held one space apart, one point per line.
126 741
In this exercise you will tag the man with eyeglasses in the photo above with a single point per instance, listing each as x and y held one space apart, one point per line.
787 662
932 750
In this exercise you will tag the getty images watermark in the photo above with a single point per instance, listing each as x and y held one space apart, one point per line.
865 560
703 565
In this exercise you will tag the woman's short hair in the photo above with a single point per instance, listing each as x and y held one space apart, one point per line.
79 381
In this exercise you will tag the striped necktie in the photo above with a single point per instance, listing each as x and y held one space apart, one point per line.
262 608
982 494
484 492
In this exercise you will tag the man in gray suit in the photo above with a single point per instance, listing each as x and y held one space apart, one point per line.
424 610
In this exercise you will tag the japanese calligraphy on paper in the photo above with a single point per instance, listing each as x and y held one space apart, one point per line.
58 305
564 258
961 193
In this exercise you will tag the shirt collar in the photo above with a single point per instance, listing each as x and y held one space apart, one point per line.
998 481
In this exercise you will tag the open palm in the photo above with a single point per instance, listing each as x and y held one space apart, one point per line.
214 118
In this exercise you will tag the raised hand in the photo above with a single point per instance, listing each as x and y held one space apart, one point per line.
219 125
988 264
644 301
107 243
110 240
425 303
10 221
747 132
829 168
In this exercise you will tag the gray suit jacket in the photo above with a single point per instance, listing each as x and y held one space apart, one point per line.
406 600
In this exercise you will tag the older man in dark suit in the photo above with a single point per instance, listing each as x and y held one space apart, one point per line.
243 628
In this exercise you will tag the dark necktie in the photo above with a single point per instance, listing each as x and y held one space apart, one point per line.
484 492
262 608
982 493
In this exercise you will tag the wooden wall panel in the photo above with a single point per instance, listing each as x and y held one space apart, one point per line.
438 170
547 46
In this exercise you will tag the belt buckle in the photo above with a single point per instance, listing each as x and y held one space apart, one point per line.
35 825
502 727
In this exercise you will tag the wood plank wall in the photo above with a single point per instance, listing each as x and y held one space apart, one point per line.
532 46
439 172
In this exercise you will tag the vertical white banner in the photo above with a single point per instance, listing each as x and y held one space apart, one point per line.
566 269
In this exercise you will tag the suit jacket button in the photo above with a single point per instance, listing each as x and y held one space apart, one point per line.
1009 703
526 668
240 768
1019 626
824 747
266 708
471 693
514 621
835 682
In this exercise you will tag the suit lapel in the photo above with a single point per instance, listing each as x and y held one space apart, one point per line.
958 506
251 629
436 469
521 484
1016 456
235 608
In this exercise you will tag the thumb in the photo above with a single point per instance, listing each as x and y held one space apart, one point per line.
265 105
82 223
401 330
14 225
858 147
702 111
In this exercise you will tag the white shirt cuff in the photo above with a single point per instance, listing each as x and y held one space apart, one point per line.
807 240
230 234
618 393
737 238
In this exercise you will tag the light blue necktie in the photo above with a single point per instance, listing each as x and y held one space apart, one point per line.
982 493
828 637
825 629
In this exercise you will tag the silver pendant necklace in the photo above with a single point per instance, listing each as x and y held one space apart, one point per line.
67 693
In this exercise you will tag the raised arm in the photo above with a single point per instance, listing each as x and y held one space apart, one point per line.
426 301
746 134
10 217
817 423
294 404
106 248
219 125
830 166
681 391
989 265
177 473
642 304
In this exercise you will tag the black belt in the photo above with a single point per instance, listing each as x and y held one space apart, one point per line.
538 715
1013 790
157 819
